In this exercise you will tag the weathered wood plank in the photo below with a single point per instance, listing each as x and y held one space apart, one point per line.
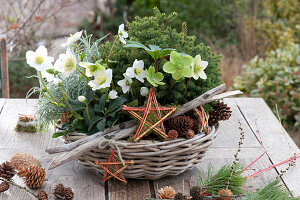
229 133
218 157
86 184
4 69
134 189
276 140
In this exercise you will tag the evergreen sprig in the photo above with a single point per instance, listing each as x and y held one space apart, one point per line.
272 191
213 181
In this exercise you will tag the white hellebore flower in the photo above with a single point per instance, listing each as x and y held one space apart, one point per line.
125 83
66 63
72 39
113 94
57 81
91 68
144 91
198 67
137 70
122 34
81 99
39 59
102 79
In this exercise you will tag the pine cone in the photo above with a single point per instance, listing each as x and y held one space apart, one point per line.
225 192
220 112
24 160
181 124
196 126
59 191
34 176
179 196
64 118
42 195
68 193
7 170
3 187
167 192
173 134
189 134
195 192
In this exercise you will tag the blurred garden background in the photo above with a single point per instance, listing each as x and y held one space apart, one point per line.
259 40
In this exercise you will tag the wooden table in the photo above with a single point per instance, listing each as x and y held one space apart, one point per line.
88 184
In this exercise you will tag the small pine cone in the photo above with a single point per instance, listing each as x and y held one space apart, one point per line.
42 195
167 192
225 192
68 193
64 118
24 160
179 196
7 170
195 192
34 176
220 112
189 134
173 134
181 124
59 191
3 187
196 126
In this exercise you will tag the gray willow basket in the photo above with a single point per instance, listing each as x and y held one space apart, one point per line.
153 159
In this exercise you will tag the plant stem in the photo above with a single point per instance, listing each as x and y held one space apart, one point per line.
88 111
45 87
111 51
87 79
185 90
131 92
66 99
78 51
171 87
19 186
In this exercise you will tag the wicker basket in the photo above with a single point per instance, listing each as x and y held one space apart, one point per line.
153 160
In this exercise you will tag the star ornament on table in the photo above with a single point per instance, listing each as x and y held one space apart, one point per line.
114 167
150 117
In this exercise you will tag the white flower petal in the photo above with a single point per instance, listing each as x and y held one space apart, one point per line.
144 91
202 75
122 40
121 28
113 94
125 34
41 50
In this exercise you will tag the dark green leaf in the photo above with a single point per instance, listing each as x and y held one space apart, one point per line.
101 124
94 121
100 106
58 134
116 104
154 54
136 45
165 52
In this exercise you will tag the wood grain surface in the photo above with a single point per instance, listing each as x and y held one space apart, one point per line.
88 184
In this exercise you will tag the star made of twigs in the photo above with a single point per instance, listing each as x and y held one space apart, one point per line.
114 167
142 114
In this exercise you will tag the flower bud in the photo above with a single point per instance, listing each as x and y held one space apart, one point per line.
82 99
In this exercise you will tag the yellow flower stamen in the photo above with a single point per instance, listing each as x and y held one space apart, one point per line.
137 70
69 64
100 79
39 60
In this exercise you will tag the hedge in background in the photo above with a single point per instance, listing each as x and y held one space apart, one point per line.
275 78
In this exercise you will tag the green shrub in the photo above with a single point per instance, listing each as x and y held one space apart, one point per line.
275 78
18 78
158 30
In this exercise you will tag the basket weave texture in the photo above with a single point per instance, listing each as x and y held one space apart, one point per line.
153 159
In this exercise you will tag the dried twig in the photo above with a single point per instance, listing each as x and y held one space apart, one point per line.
19 186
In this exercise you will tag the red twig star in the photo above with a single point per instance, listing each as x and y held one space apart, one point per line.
114 167
142 114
